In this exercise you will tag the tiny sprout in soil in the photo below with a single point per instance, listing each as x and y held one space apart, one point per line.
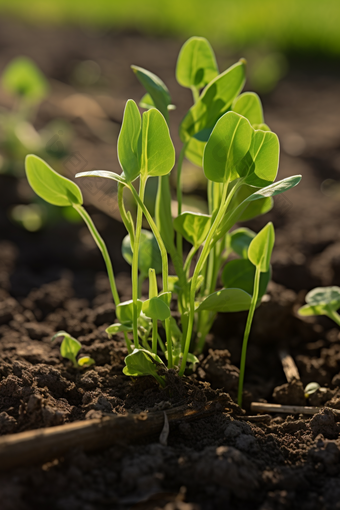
224 133
69 349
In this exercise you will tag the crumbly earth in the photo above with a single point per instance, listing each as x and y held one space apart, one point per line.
54 280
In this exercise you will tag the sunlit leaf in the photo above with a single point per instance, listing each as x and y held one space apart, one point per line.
249 105
129 150
240 274
86 361
155 87
143 362
158 152
194 227
148 254
226 300
196 64
124 311
156 308
261 247
240 240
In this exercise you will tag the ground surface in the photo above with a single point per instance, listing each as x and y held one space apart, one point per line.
54 280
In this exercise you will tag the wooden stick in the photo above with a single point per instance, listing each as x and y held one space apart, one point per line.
288 365
42 445
258 407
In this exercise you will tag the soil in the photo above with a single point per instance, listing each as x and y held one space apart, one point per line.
54 279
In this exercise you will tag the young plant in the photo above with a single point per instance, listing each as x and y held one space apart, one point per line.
322 301
224 133
69 349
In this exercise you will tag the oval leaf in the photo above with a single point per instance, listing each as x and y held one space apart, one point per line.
308 310
196 64
261 164
115 328
249 105
124 311
240 240
128 141
226 300
261 247
156 309
143 362
148 255
240 274
86 361
194 227
49 185
155 87
229 142
324 296
158 152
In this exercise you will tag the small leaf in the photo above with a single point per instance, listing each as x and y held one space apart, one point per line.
124 311
240 240
129 143
226 300
158 152
156 308
214 101
166 297
148 254
117 327
143 362
276 188
23 78
194 227
156 89
105 174
240 274
196 64
311 388
249 105
49 185
229 142
261 247
260 166
329 296
69 347
86 361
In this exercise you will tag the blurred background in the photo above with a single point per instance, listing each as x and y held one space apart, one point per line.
82 52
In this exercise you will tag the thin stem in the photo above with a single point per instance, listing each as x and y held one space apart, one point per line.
189 260
247 332
102 247
154 335
195 94
332 314
134 273
123 213
179 196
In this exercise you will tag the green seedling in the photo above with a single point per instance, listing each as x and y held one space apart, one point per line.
322 301
224 133
69 349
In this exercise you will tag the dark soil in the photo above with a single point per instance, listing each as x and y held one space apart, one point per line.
55 279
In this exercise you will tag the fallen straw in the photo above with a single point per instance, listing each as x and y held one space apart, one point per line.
258 407
288 365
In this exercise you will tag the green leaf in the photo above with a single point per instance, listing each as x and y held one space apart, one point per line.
153 289
324 296
249 105
156 308
86 361
240 274
240 240
214 101
196 64
262 127
148 254
143 362
147 102
260 165
158 152
129 141
124 311
276 188
194 151
308 310
105 174
69 347
155 87
194 227
49 185
166 297
117 327
254 209
226 300
23 78
229 142
163 213
261 247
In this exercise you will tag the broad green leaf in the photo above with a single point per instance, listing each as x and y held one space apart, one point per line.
156 88
308 310
106 174
214 101
23 78
240 274
148 254
229 142
143 362
163 213
194 227
147 102
261 247
240 240
194 151
226 300
129 141
260 165
117 327
155 308
86 361
249 105
124 311
158 152
196 64
324 296
254 209
69 347
49 185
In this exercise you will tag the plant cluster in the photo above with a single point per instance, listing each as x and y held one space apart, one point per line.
224 133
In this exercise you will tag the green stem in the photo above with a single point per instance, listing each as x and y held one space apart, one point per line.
195 94
102 247
179 196
125 217
332 314
134 273
154 335
247 332
189 260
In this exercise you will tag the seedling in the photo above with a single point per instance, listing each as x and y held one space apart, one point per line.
311 388
323 301
69 349
225 134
